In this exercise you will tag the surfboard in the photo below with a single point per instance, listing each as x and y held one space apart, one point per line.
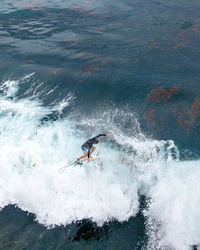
84 161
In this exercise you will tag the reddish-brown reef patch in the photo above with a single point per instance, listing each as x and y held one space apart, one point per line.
149 115
187 118
159 95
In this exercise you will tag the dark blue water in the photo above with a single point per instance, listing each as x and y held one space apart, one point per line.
70 70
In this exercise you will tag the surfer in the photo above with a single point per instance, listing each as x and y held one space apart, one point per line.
88 148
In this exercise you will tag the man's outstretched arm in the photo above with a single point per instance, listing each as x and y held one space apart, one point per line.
101 135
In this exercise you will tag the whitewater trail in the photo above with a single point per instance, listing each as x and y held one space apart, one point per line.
32 152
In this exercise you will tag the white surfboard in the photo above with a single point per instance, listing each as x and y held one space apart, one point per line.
84 161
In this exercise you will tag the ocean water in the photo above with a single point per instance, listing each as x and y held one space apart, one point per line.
70 70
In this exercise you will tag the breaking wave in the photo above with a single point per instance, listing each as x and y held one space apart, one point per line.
34 147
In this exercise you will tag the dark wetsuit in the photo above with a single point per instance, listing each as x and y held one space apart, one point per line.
86 147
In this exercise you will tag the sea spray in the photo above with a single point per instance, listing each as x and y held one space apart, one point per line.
33 149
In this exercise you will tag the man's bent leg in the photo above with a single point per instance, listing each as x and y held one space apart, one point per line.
92 150
82 157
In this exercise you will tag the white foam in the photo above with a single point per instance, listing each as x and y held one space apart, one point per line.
55 199
105 190
175 204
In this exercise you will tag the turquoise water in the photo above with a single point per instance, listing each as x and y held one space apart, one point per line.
71 70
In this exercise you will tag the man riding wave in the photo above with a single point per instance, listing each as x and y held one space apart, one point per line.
88 148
